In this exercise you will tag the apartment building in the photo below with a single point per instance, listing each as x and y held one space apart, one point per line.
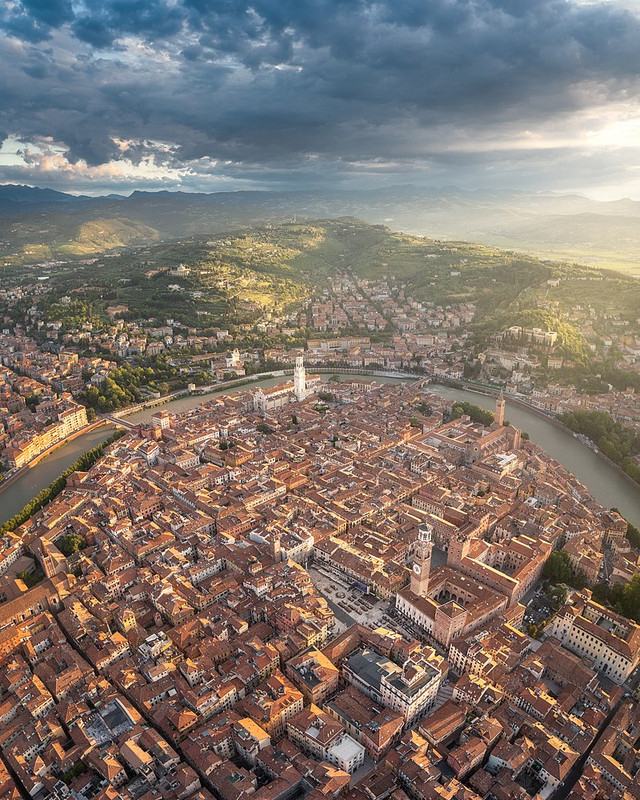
608 639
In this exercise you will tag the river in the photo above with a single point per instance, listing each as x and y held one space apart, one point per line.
606 485
16 495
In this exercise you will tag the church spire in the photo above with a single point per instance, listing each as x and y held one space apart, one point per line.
300 379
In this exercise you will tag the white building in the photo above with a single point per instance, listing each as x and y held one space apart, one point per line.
410 690
346 754
284 393
608 639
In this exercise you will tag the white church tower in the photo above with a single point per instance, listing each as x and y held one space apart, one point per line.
300 379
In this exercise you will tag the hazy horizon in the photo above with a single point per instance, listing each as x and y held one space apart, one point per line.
327 188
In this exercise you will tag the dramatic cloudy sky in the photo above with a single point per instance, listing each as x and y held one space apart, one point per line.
111 95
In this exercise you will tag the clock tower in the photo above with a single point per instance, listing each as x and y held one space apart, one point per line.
422 561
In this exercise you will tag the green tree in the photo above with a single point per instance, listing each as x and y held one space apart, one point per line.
629 600
616 441
326 397
633 535
77 769
476 413
31 578
72 543
558 570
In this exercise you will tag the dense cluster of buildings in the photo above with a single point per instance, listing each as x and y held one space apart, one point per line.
61 369
352 302
516 371
181 650
424 334
623 406
523 359
27 430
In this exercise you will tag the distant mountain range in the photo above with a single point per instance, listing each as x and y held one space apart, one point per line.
12 193
36 223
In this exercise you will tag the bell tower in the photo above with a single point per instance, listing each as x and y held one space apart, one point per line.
300 379
422 561
276 546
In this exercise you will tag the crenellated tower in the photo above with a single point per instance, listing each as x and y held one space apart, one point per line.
422 561
458 549
276 546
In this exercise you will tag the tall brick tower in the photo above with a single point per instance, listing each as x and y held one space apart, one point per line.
458 549
276 547
422 561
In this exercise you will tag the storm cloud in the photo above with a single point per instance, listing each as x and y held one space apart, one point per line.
209 94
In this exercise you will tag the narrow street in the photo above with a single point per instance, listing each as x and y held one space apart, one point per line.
564 790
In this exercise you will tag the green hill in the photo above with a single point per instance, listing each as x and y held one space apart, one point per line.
102 235
35 222
72 239
233 277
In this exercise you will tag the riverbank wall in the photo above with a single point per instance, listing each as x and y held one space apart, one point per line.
19 473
